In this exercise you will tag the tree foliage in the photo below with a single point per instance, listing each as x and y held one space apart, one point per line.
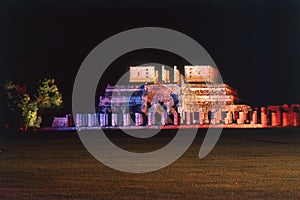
20 109
48 95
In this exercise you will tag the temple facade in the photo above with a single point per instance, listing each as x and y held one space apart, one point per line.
165 97
154 97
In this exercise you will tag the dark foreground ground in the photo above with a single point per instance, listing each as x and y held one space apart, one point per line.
260 164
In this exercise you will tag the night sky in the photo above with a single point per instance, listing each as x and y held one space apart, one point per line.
255 44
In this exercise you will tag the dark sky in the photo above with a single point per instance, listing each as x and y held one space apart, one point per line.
255 44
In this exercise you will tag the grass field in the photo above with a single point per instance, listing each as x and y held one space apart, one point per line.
256 163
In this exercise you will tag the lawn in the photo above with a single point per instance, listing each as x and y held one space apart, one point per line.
245 163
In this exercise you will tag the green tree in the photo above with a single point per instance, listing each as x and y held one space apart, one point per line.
48 95
49 99
19 109
30 115
16 106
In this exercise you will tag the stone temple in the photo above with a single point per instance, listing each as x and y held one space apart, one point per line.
164 97
197 97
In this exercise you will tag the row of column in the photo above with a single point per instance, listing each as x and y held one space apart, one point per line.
264 117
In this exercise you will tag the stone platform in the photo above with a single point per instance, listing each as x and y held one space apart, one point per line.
226 126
